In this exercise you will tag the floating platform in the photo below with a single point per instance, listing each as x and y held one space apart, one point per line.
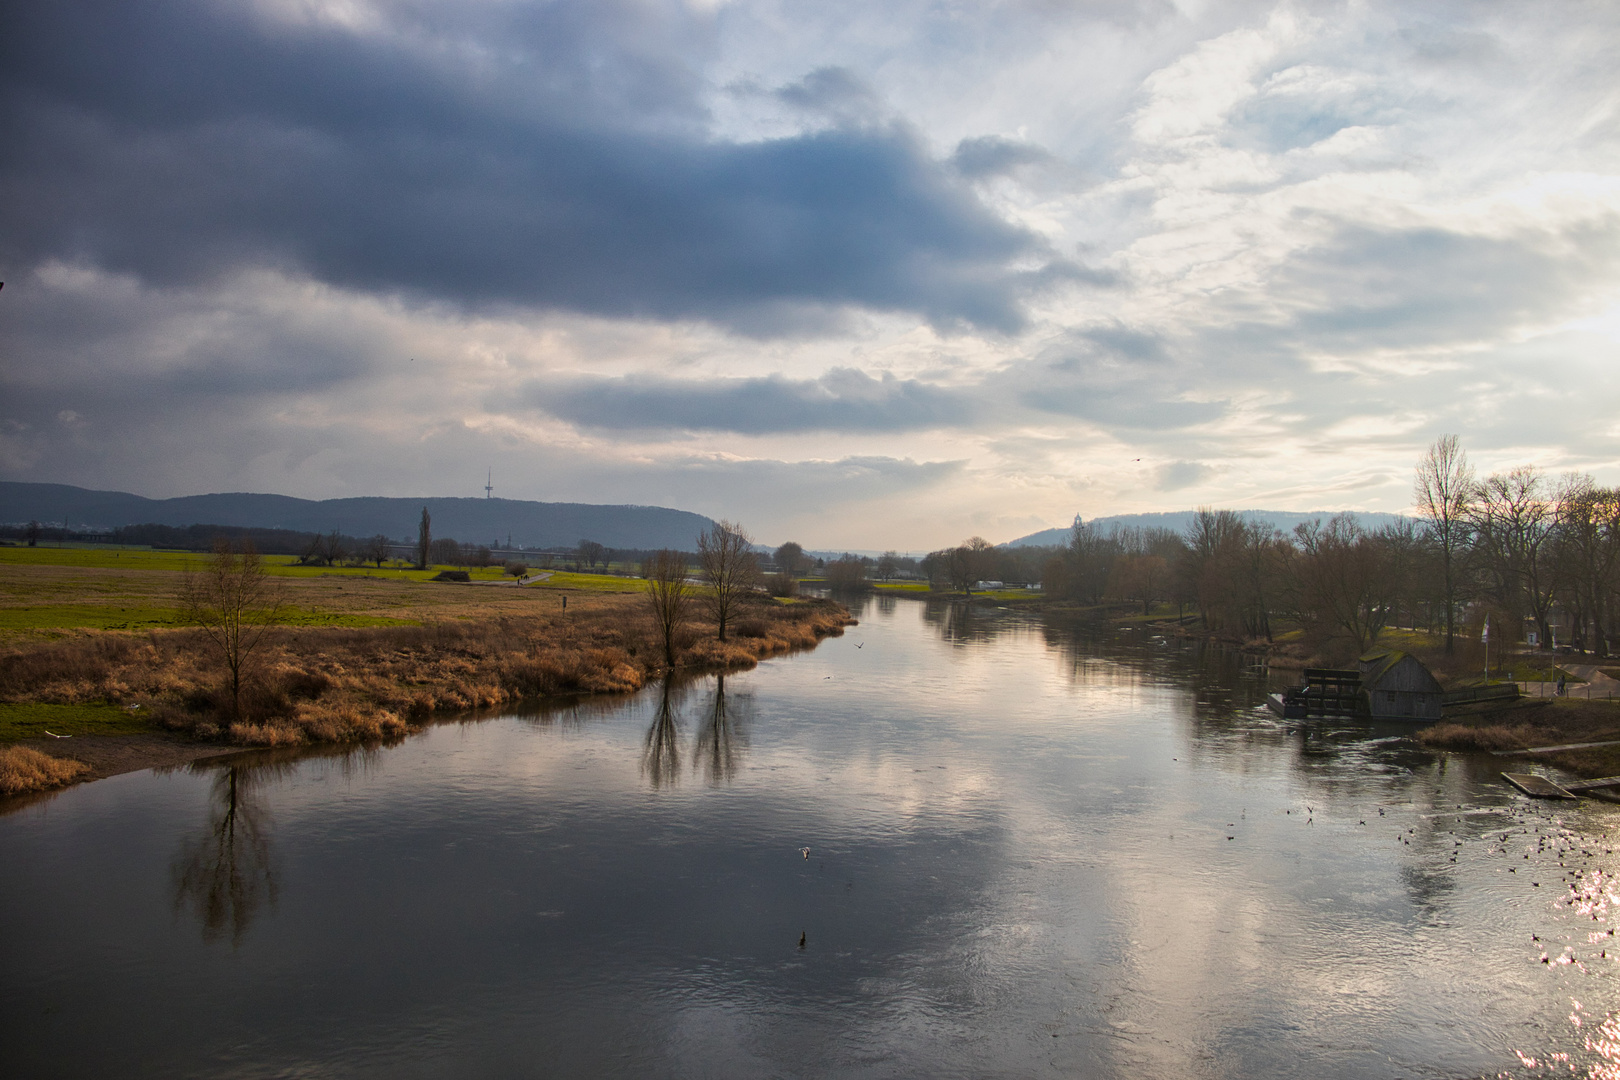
1537 787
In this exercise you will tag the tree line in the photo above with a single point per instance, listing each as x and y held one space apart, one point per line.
1519 547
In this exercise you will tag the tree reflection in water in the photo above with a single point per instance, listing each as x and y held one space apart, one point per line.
224 875
661 759
724 735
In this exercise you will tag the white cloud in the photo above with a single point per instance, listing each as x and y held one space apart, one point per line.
1300 245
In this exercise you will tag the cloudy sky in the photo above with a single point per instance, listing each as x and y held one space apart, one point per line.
859 274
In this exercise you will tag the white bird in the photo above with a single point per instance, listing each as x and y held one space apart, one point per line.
805 852
862 645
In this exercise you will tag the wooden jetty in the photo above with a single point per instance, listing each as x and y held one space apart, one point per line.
1599 784
1537 787
1555 749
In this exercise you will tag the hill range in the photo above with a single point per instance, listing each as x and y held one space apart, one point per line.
529 524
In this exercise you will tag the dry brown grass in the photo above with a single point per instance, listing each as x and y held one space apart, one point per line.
1540 723
23 769
329 684
1447 736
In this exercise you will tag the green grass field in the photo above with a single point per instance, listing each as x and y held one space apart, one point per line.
108 617
33 721
563 579
109 558
89 616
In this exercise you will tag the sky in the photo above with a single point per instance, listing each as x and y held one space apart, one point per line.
858 275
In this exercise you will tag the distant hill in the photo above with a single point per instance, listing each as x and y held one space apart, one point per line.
531 524
1178 520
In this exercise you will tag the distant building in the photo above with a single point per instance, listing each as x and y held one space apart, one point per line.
1398 687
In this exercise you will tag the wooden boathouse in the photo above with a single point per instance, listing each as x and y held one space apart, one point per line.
1385 685
1396 686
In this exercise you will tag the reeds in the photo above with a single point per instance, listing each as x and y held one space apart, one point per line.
23 769
1448 736
331 684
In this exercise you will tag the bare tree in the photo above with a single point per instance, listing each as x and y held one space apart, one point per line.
846 574
424 540
314 551
1342 579
447 551
790 559
888 564
1589 543
377 550
1515 520
1141 578
591 552
725 554
234 601
669 596
1091 556
32 533
1444 494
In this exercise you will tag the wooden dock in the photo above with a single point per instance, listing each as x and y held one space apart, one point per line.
1537 787
1599 784
1555 749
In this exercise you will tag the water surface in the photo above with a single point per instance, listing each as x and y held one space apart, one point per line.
1033 850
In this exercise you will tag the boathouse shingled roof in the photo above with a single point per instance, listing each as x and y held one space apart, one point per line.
1380 663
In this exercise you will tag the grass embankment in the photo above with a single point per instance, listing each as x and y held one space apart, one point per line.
354 656
335 684
1539 722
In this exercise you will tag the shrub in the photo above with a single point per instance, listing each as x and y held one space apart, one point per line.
25 769
452 575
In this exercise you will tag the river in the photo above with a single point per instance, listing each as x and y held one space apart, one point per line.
952 842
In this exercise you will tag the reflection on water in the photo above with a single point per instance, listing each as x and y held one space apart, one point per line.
1009 847
224 875
661 759
722 734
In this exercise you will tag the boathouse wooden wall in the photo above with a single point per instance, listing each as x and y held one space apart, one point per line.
1398 686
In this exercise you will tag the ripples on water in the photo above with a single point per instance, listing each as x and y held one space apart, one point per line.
1033 851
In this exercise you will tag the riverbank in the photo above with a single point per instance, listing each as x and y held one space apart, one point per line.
163 696
1539 722
1501 727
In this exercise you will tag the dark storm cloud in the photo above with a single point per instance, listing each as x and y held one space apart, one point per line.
551 155
992 155
842 400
